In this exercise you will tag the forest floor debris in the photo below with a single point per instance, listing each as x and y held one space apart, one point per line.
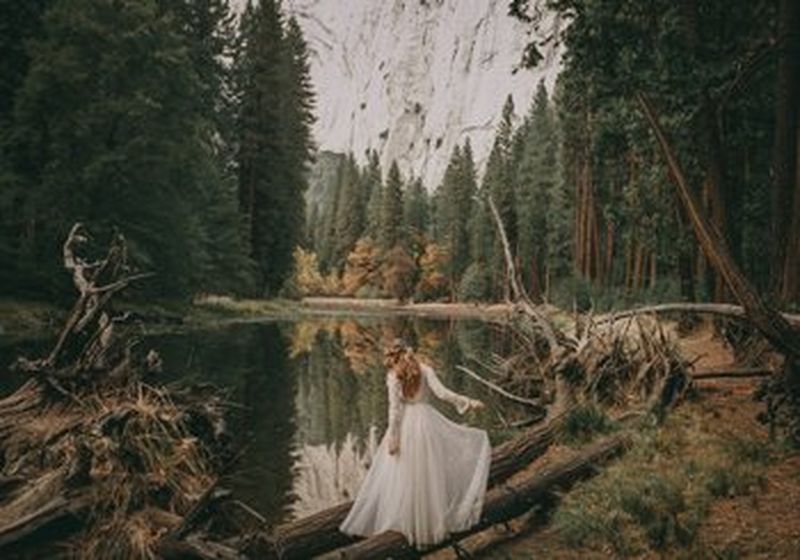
707 483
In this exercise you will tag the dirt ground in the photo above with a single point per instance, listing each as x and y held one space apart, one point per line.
764 524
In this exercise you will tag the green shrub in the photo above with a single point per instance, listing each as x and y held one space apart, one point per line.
584 422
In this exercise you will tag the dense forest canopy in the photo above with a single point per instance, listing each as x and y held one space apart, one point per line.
189 129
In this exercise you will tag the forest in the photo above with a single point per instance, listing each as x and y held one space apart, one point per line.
176 123
618 281
580 183
201 155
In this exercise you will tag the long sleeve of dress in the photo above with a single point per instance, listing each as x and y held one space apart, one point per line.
461 402
395 408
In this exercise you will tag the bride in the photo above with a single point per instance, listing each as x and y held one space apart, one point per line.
428 476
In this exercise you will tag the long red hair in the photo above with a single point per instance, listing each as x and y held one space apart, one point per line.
403 362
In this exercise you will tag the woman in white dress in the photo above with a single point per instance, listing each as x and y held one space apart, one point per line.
428 476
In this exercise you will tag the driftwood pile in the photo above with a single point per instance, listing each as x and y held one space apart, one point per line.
92 454
629 363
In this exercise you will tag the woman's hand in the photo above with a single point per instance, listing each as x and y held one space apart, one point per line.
477 405
394 447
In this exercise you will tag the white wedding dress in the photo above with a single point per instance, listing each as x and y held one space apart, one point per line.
436 484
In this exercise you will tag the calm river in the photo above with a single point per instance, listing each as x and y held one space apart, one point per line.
313 394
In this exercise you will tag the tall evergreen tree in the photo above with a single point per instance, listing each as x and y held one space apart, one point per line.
210 30
498 182
119 146
535 181
390 233
275 146
416 214
455 207
373 190
350 212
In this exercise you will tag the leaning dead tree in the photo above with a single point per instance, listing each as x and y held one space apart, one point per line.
92 447
782 393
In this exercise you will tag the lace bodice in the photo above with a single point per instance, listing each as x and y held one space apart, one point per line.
430 384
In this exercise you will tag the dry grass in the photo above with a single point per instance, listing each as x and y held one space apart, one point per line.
129 453
251 307
146 469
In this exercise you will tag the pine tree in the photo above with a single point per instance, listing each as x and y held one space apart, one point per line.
390 233
210 31
415 209
350 213
498 182
275 146
535 180
455 199
373 189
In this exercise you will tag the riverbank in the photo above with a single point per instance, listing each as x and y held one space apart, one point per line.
21 319
28 319
707 483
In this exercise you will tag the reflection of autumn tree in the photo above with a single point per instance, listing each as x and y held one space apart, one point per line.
303 336
360 346
328 391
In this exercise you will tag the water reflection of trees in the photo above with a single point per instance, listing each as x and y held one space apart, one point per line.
314 397
251 361
341 394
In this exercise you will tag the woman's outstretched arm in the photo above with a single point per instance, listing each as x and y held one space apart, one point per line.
461 402
395 412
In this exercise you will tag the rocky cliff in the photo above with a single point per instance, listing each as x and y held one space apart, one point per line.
412 78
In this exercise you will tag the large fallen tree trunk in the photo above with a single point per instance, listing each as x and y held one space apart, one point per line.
501 504
720 309
319 533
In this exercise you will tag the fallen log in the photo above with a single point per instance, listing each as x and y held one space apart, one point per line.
740 373
720 309
502 503
319 533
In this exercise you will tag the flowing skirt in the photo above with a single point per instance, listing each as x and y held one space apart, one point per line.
433 487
